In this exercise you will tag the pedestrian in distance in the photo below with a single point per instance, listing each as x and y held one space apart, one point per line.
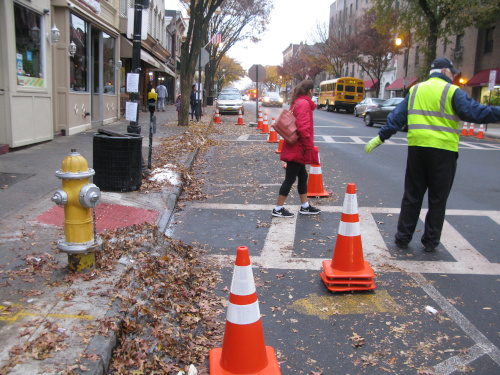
299 154
432 110
193 102
178 105
161 90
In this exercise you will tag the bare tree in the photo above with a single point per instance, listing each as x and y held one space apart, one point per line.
238 21
331 46
200 12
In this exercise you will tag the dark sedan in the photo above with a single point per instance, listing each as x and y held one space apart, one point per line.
378 114
272 99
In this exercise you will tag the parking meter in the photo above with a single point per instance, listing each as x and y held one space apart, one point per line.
152 97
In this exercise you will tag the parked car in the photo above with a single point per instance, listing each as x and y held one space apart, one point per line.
230 102
378 114
361 107
272 99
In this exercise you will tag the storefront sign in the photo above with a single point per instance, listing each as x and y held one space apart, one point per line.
19 63
94 5
29 81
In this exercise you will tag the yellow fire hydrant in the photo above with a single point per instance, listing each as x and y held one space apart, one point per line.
78 196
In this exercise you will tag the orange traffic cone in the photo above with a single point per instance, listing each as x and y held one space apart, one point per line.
315 182
464 129
280 145
273 135
471 129
260 123
243 349
348 270
480 134
265 126
217 117
240 119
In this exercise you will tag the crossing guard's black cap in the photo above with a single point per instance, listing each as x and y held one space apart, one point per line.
443 62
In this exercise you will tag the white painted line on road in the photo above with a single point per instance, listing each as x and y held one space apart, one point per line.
359 140
278 246
485 345
451 364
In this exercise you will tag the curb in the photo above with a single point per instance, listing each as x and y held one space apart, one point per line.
103 346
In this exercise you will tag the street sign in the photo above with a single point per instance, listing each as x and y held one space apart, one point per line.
493 79
257 70
205 56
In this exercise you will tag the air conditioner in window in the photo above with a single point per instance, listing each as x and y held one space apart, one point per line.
458 54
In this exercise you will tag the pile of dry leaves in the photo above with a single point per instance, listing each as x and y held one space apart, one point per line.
171 315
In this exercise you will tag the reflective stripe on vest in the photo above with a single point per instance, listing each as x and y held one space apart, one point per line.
433 122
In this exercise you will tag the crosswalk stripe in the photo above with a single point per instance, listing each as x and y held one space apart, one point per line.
362 140
277 251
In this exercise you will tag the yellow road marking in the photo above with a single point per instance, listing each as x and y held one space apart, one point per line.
16 312
326 306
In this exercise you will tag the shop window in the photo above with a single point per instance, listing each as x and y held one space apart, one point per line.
488 46
29 54
108 70
78 68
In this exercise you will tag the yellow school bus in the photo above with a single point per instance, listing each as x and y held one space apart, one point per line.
341 93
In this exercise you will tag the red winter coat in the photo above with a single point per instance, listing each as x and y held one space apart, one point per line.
303 151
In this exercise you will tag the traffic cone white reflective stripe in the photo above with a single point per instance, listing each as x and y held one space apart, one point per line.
260 123
315 186
217 117
243 314
265 126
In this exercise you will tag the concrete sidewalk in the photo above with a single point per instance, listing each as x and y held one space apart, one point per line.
45 316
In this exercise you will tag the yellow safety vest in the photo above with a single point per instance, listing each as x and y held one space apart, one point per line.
432 122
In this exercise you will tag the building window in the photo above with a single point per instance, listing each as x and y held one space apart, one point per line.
352 71
356 4
488 45
460 40
350 11
445 45
78 64
29 53
417 55
108 70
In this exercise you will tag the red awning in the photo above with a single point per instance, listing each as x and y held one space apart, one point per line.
398 84
483 77
369 85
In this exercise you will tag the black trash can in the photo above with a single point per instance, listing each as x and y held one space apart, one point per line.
118 162
210 100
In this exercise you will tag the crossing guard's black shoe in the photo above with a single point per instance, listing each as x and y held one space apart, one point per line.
309 210
282 213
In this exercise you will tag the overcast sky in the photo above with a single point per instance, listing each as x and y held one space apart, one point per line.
292 21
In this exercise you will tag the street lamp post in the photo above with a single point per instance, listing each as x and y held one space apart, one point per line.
399 42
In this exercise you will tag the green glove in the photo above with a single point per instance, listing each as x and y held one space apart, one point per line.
370 146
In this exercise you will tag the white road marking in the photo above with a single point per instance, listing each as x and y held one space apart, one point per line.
278 247
483 345
362 140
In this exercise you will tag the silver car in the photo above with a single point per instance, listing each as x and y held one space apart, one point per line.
366 103
272 99
230 103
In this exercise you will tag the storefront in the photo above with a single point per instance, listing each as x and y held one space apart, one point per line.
86 66
25 74
480 84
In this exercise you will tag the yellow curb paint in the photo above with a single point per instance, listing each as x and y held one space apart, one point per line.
11 317
326 306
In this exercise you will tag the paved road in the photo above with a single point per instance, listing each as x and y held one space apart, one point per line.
385 331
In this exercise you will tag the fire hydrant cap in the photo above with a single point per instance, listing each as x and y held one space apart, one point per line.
74 162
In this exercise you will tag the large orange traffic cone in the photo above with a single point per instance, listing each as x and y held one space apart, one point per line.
217 117
243 349
273 136
315 182
464 129
265 126
480 133
280 145
240 119
348 270
260 123
471 129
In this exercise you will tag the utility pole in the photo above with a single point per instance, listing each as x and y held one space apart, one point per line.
136 59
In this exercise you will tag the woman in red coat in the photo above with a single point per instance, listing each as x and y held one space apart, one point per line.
301 153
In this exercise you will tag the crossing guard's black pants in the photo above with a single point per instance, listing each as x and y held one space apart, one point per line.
429 169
